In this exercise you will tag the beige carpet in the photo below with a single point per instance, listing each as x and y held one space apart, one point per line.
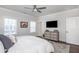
60 47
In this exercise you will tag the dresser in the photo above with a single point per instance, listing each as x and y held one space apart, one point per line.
52 35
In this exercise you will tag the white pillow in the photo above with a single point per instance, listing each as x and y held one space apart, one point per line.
1 47
12 37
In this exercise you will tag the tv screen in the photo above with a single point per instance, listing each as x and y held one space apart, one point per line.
51 24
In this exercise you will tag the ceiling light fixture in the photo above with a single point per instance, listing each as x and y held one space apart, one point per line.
35 10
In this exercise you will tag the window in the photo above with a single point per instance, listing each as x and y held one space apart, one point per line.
32 26
10 26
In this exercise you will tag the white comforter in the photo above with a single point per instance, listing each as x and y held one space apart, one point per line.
31 44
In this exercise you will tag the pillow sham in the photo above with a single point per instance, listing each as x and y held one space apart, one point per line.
12 38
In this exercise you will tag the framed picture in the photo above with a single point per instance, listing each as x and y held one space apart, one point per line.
23 24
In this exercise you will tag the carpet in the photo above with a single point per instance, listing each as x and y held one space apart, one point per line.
60 47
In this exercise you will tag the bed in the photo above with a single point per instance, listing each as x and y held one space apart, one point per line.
31 44
1 47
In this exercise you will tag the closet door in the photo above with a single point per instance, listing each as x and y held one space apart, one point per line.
72 30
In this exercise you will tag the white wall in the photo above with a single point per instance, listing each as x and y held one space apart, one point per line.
61 17
5 13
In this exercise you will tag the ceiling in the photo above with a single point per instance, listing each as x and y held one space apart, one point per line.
50 9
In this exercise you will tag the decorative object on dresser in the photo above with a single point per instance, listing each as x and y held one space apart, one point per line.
51 35
46 34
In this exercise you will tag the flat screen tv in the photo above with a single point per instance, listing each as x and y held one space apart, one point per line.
51 24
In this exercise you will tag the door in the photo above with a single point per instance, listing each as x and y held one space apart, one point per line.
72 30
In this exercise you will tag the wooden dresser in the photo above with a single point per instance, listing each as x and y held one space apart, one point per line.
52 35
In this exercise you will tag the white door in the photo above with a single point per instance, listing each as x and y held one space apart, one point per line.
72 30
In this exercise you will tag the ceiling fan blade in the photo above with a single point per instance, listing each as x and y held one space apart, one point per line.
39 11
42 8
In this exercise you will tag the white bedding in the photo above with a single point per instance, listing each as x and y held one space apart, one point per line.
31 44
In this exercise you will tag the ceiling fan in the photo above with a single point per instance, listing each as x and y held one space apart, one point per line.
36 9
